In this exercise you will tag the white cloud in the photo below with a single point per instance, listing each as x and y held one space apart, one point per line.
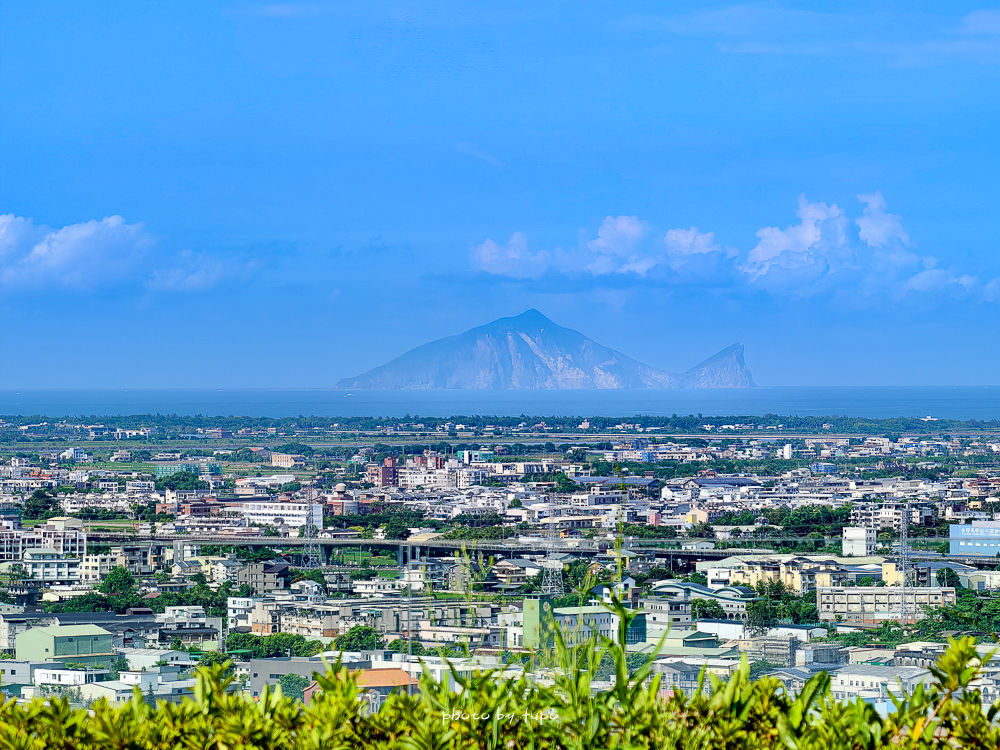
81 256
878 228
818 255
935 278
821 229
617 248
105 254
618 235
511 259
193 272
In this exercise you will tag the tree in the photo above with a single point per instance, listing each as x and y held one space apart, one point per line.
701 530
762 615
117 666
182 480
565 484
359 638
707 609
41 505
316 576
119 582
397 529
948 577
216 657
293 685
296 449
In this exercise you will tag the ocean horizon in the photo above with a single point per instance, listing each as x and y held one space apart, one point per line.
876 402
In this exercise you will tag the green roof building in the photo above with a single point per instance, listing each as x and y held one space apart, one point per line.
576 623
83 644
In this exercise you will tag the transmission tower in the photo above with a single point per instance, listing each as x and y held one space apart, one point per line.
904 565
552 574
311 555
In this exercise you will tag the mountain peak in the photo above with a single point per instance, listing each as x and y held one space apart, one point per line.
530 351
529 319
727 369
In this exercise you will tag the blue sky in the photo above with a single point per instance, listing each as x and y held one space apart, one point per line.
255 195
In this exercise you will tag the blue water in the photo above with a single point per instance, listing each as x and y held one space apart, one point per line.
943 402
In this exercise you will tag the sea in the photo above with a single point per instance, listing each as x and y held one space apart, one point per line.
878 402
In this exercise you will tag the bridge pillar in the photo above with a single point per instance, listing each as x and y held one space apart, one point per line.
399 556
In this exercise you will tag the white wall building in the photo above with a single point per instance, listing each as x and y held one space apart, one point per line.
859 541
291 513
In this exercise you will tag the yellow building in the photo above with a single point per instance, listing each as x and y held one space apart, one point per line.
797 574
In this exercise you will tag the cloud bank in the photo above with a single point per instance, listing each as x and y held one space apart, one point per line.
85 256
101 254
824 253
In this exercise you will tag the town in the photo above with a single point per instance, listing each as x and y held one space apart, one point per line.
134 550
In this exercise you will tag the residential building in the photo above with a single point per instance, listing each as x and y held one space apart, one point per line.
875 683
191 627
732 599
875 604
239 609
287 460
797 574
266 577
63 534
672 613
889 515
859 541
50 566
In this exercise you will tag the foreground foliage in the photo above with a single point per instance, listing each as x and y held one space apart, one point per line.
487 711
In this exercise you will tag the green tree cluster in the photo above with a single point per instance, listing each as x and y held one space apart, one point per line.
182 480
270 646
41 505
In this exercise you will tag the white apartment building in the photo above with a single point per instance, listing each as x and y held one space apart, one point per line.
77 503
50 566
466 478
859 541
889 515
75 454
377 587
62 534
598 496
239 609
290 513
875 683
138 487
